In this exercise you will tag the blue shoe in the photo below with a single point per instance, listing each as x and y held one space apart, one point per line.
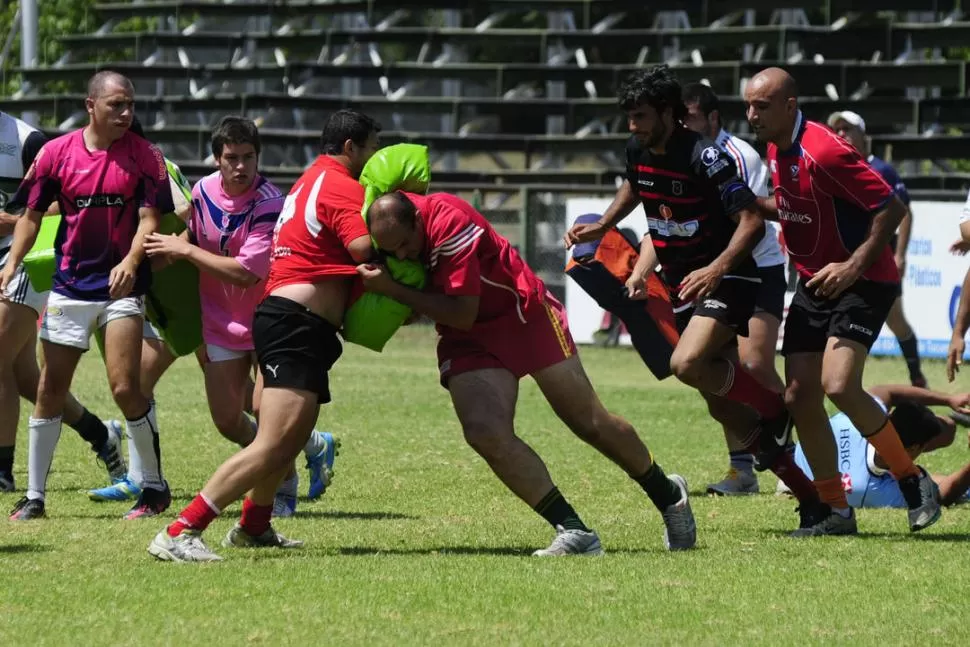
321 466
120 490
284 505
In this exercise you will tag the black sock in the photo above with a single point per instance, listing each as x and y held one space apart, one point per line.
661 490
92 430
556 510
910 349
6 459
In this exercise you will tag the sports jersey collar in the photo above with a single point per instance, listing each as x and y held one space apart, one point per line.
796 133
332 164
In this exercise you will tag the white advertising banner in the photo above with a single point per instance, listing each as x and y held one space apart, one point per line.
931 287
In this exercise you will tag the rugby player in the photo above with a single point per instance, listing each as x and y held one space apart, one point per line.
837 216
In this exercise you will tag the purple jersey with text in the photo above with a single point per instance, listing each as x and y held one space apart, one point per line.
100 193
239 227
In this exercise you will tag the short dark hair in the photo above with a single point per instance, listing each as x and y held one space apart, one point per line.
915 423
405 214
656 87
234 130
703 96
98 82
343 125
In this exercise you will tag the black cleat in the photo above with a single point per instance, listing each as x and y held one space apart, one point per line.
27 509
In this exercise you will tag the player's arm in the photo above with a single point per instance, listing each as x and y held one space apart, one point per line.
718 173
623 203
894 394
646 262
24 236
39 188
841 172
454 311
954 486
179 247
965 221
954 355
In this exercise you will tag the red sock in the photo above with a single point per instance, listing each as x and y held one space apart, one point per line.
792 475
832 491
255 518
196 516
743 388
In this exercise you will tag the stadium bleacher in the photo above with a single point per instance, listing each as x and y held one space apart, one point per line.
512 94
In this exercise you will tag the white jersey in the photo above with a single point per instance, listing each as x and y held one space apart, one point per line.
767 253
19 144
965 216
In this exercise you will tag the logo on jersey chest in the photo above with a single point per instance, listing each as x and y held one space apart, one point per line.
670 228
9 149
794 171
100 200
666 212
677 187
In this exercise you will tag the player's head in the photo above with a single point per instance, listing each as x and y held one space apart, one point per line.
772 100
653 105
235 147
851 127
351 136
921 430
395 225
703 109
110 104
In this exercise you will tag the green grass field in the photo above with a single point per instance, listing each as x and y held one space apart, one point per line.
417 543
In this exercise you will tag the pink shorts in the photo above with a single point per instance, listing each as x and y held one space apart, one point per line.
521 347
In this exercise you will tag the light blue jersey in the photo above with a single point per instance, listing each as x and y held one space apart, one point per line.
866 485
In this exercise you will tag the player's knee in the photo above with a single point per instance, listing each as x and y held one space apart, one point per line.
486 438
840 388
129 399
685 367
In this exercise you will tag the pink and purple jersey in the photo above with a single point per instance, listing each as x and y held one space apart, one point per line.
100 193
240 227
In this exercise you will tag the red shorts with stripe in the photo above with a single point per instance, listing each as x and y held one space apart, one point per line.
521 347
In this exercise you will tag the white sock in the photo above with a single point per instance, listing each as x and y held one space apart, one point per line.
315 445
290 486
44 434
135 472
143 441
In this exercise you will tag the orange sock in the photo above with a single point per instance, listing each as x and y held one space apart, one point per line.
832 492
890 448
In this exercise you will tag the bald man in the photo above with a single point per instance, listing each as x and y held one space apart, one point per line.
498 323
112 187
837 216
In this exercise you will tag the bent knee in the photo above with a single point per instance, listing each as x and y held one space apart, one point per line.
686 367
487 438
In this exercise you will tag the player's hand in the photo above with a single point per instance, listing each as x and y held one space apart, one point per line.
376 278
701 283
636 288
954 357
960 247
122 279
171 246
583 234
6 276
900 265
960 402
833 279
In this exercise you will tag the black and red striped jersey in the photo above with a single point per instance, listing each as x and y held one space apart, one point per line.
689 194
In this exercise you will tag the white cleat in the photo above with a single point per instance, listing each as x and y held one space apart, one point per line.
572 542
186 547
